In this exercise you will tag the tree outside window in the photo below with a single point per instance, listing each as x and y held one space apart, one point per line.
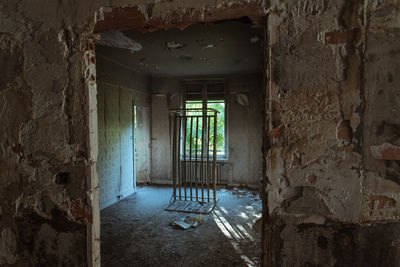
218 105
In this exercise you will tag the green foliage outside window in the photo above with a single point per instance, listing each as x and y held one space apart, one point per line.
218 105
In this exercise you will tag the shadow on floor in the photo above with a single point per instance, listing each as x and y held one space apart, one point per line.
136 232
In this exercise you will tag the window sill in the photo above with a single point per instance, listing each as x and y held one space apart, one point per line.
219 159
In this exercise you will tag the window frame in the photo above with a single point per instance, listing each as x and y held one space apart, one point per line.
204 83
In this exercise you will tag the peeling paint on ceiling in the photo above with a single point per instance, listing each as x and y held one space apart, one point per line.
201 49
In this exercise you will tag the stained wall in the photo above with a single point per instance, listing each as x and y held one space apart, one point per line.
116 158
333 193
119 89
331 104
243 164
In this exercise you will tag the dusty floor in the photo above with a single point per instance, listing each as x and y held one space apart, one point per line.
136 232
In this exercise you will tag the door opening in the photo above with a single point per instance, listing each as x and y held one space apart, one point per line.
217 67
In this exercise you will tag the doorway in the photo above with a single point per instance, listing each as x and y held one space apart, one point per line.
233 229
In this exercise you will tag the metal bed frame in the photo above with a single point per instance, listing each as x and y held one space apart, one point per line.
194 169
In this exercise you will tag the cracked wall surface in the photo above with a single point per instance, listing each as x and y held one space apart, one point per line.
332 113
48 184
332 103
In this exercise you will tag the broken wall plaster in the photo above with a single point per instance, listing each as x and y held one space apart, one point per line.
378 92
50 134
311 156
326 97
153 17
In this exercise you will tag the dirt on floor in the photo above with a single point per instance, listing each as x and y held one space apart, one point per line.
137 231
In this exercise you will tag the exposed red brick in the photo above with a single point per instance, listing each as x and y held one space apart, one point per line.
275 133
382 201
90 45
386 151
344 131
80 211
131 18
341 37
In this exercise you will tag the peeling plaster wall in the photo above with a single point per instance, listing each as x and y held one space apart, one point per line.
332 91
332 96
115 75
143 144
115 159
307 102
381 183
245 126
44 160
160 140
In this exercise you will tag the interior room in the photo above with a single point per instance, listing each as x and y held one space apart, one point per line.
200 133
141 79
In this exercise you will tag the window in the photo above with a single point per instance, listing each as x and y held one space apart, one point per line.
202 94
219 105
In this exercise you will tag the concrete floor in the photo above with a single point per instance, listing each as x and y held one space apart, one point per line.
136 232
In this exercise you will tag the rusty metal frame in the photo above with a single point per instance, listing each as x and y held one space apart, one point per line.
194 172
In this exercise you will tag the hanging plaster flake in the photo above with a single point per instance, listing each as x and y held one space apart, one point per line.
242 99
143 9
61 38
119 40
99 15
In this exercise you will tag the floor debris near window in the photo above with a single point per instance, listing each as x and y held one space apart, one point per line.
188 222
138 230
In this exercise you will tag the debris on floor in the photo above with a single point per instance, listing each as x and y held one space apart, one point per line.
188 222
136 228
240 193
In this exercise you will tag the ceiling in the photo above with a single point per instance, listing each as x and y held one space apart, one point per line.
223 48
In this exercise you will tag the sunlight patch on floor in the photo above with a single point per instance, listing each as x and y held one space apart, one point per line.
235 234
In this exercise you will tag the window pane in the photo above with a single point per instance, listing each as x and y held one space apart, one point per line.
192 122
193 104
218 105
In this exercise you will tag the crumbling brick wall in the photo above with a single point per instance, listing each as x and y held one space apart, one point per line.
332 115
332 97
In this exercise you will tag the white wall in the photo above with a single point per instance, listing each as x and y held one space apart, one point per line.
115 160
160 140
119 88
245 128
143 150
245 131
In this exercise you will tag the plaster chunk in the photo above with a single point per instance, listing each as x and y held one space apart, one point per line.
386 151
378 185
